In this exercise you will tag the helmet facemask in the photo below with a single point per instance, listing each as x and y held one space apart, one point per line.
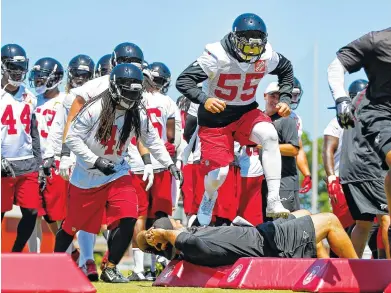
16 69
126 92
44 80
297 93
79 76
249 45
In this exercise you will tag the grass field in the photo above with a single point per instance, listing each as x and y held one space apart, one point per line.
146 287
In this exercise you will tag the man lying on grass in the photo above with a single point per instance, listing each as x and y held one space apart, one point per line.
299 236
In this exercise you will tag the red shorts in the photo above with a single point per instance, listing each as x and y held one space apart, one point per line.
86 206
188 188
158 198
250 200
22 191
217 144
341 210
54 197
198 187
228 196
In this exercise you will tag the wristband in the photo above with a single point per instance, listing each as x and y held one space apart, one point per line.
146 159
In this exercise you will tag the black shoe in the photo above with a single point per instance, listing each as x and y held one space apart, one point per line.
150 276
137 277
113 275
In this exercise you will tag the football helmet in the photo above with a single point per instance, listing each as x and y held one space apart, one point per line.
127 53
80 70
160 76
46 74
103 67
297 93
126 85
248 37
356 87
14 63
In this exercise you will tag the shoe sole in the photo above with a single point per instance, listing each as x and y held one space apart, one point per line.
278 215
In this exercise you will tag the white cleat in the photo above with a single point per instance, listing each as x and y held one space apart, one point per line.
205 210
276 210
241 222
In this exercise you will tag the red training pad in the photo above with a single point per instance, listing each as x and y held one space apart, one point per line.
265 273
51 272
346 275
388 289
185 274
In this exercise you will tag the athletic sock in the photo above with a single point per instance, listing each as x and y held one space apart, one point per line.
153 263
138 257
86 244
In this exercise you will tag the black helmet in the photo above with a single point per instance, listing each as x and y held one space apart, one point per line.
103 67
297 93
127 53
248 37
126 85
80 70
46 74
14 63
356 87
160 76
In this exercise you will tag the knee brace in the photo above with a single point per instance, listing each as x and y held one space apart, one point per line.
214 179
264 133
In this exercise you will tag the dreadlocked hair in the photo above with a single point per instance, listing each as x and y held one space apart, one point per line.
106 118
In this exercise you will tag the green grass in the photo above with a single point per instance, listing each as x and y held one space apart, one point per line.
146 287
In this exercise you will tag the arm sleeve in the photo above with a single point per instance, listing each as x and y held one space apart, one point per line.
35 140
152 141
354 55
289 132
282 67
190 127
336 77
78 133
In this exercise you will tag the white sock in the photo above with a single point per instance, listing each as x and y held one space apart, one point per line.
86 244
35 240
138 258
153 263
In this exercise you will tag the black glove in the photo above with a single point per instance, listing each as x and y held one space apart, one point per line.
47 166
6 168
176 173
41 179
105 166
345 112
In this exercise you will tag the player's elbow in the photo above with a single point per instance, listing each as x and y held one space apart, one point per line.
295 151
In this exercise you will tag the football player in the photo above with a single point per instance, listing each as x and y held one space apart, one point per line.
154 201
371 52
20 148
103 66
45 77
301 158
231 70
99 137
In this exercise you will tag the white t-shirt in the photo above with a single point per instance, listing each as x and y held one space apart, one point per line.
16 114
333 129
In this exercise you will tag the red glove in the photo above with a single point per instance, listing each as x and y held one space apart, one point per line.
338 202
334 189
170 148
306 185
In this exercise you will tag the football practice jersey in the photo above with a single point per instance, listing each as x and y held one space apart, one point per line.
92 88
16 114
45 113
81 140
249 162
232 81
333 129
299 123
159 109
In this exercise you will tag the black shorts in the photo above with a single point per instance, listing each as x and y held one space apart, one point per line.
366 199
290 200
290 238
375 117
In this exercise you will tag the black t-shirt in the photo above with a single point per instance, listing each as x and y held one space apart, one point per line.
371 52
287 134
359 162
218 246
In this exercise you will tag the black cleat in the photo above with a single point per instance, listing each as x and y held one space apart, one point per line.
113 275
137 277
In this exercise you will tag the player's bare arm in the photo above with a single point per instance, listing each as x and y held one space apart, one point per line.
288 150
330 146
302 162
170 130
75 108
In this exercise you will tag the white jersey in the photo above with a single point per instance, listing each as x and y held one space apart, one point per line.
233 81
249 162
81 140
193 109
46 112
159 109
299 123
92 88
16 114
333 129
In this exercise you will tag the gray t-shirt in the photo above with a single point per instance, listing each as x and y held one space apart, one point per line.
287 134
359 162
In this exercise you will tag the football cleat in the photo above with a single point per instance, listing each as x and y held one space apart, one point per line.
113 275
136 277
275 209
